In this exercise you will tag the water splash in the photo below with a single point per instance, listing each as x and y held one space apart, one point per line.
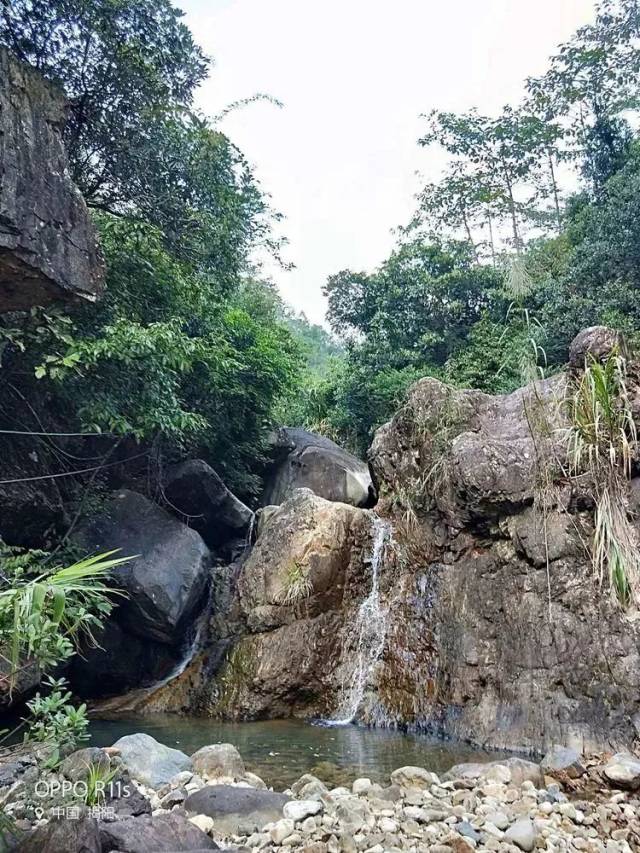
368 634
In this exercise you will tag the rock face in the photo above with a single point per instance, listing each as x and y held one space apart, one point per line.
486 591
166 587
314 462
194 489
307 571
47 242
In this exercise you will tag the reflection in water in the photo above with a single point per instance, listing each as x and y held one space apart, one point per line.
280 751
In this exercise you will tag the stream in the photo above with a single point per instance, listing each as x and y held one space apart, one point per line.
280 751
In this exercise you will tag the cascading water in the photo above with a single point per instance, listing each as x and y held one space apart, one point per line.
369 632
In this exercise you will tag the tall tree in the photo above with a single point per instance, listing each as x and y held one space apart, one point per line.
591 81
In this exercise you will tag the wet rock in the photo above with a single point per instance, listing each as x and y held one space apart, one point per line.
150 762
563 760
232 807
171 832
195 489
308 787
165 583
48 247
121 661
72 836
623 769
317 463
291 592
220 760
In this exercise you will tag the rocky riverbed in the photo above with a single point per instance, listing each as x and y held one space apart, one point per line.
159 799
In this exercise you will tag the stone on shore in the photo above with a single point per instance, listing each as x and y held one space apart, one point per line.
218 761
150 762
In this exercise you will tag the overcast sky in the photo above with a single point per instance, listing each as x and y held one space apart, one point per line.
340 158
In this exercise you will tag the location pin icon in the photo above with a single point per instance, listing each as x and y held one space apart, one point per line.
39 811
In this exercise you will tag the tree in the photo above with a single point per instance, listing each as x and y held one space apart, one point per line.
120 63
502 154
591 81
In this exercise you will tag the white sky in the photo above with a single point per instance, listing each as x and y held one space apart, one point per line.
340 159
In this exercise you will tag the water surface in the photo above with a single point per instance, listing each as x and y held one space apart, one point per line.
280 751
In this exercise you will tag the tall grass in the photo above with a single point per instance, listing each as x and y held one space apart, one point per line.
602 442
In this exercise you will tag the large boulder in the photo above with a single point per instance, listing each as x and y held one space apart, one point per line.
311 461
150 762
306 573
70 835
48 245
121 661
162 832
166 579
196 491
234 808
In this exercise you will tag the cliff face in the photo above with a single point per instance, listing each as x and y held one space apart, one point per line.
47 243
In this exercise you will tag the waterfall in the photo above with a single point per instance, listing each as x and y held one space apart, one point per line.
368 633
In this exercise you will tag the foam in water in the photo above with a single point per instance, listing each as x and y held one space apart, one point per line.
368 633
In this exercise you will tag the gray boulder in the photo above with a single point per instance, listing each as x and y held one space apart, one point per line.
217 761
164 832
564 760
48 246
595 341
232 808
166 581
76 766
309 461
71 836
150 762
519 770
195 489
623 769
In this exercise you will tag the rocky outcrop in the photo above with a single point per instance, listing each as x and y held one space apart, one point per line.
306 573
195 490
490 624
166 587
47 242
310 461
501 633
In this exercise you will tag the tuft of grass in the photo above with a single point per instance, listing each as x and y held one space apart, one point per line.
297 585
98 778
602 442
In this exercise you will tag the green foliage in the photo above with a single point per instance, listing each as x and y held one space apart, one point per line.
44 612
98 777
297 585
55 721
167 355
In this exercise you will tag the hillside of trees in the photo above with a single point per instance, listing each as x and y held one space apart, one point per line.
531 234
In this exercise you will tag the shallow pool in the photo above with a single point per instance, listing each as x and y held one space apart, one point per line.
280 751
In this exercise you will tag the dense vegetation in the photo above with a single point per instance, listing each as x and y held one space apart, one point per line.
188 351
531 234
